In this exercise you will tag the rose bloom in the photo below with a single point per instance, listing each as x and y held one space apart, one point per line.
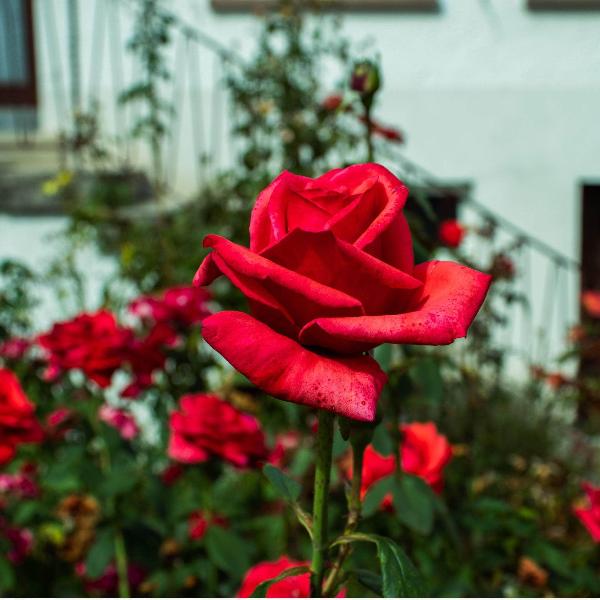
330 275
108 583
295 586
15 348
199 522
451 233
332 102
147 355
207 426
20 485
424 451
591 302
120 419
18 424
92 342
590 515
180 306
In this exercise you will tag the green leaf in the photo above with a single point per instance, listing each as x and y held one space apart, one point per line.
118 482
382 440
400 577
261 590
100 554
414 503
376 494
426 375
383 355
7 575
289 488
227 550
372 581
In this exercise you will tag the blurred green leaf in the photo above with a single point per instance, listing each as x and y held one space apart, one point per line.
227 550
289 488
7 575
376 494
414 503
100 554
426 375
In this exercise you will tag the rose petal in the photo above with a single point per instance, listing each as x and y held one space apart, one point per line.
283 368
443 311
293 296
380 287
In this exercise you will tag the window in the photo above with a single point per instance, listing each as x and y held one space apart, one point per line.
351 5
563 4
17 60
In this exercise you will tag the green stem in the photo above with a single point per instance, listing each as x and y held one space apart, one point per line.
121 563
369 131
354 509
320 501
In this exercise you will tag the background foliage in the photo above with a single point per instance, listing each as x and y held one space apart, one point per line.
105 505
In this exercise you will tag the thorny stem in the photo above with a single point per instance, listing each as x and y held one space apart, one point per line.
354 509
121 563
320 501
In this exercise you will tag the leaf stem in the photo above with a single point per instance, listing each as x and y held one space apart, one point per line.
320 501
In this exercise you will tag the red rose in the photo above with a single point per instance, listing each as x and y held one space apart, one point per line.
18 424
591 302
179 306
145 356
14 348
332 102
199 521
451 233
329 275
295 586
590 514
207 426
92 342
424 452
121 420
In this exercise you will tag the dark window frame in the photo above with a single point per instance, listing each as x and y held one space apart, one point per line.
427 6
23 94
563 5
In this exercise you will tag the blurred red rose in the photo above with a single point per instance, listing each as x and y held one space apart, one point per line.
295 586
591 302
108 583
20 540
451 233
199 521
556 380
147 355
120 419
332 102
172 473
18 424
92 342
207 426
590 515
424 452
20 485
14 348
180 306
330 275
285 444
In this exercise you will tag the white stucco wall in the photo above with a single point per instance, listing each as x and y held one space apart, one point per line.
485 91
